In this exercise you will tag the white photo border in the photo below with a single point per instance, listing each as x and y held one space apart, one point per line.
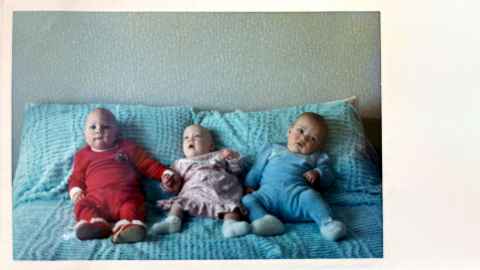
430 132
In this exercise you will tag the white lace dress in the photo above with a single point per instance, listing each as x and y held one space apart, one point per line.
210 187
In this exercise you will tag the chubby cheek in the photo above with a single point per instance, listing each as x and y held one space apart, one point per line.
292 137
109 140
306 150
88 138
89 142
113 132
313 148
111 136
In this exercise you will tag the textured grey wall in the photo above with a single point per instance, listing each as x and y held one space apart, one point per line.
225 61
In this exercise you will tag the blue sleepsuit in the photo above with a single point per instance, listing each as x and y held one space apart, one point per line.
282 189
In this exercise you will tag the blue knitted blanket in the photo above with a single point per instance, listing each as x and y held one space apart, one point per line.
43 214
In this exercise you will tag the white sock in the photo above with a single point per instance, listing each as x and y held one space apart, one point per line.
333 230
171 224
234 228
267 225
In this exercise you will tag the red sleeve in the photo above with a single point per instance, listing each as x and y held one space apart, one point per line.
77 178
148 166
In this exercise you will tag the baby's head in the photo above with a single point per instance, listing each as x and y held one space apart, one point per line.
197 140
101 130
307 134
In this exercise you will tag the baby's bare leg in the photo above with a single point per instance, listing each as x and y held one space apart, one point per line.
233 226
172 224
176 210
233 216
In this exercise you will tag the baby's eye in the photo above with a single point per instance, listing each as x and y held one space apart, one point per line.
300 130
92 127
106 127
313 139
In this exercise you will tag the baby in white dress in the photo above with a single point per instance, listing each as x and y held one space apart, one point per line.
208 186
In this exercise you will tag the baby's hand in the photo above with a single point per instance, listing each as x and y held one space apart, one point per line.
229 154
77 196
171 181
311 176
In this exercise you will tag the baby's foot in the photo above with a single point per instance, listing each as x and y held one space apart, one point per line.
333 230
129 233
95 229
171 224
267 225
233 228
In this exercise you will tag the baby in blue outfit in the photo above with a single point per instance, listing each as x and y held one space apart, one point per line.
286 176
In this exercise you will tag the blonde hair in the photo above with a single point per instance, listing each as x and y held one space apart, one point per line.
203 129
106 112
314 116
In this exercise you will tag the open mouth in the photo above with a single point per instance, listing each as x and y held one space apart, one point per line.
190 146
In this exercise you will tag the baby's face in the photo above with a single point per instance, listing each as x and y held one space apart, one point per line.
101 131
306 136
196 141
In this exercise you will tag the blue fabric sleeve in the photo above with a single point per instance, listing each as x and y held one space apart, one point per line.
327 175
254 176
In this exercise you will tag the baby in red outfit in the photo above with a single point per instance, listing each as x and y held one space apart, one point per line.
105 183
